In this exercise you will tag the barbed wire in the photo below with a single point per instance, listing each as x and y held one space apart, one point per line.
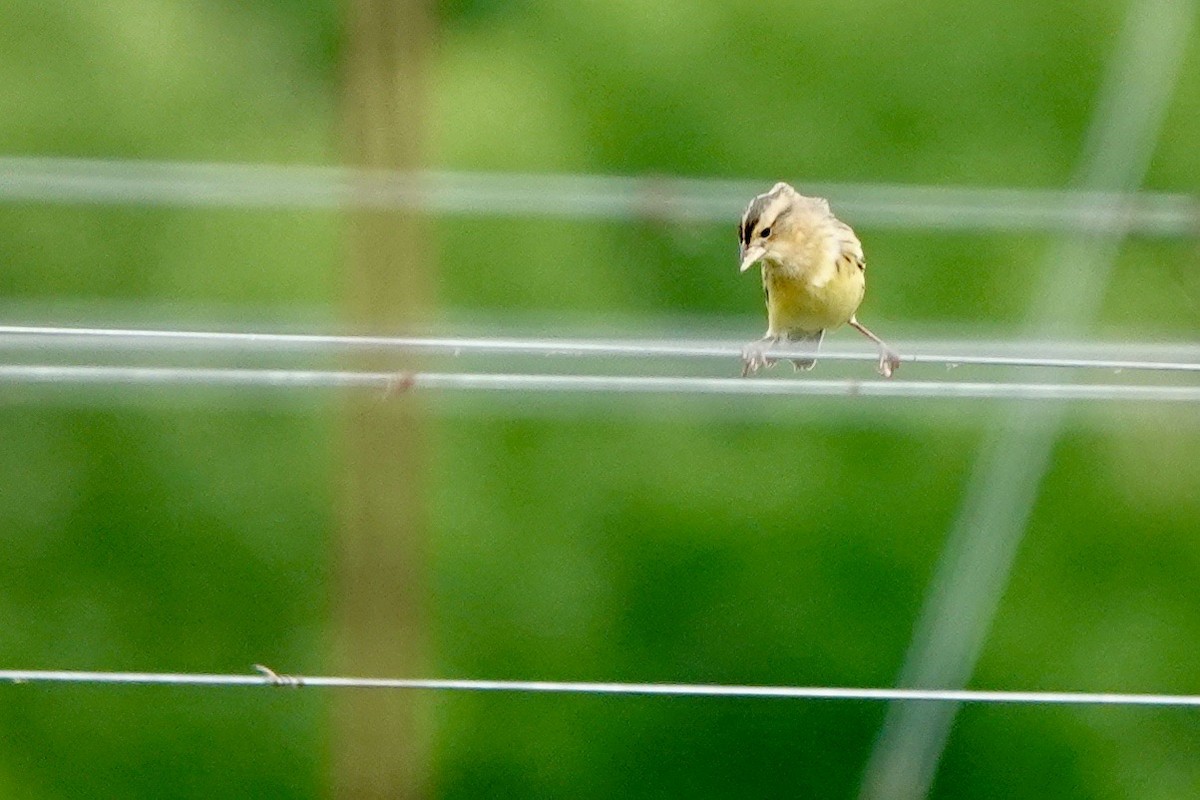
396 383
73 180
40 338
264 676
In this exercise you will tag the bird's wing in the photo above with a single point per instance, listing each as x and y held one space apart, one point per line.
850 253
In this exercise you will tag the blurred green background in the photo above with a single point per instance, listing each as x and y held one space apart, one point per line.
775 543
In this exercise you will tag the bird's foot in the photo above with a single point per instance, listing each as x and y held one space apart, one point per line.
754 356
889 361
803 364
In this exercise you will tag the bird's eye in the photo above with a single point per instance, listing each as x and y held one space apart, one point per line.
765 232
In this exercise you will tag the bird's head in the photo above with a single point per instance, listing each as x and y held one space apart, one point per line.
757 231
768 227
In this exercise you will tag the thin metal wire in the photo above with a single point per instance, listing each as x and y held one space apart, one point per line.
41 338
400 382
268 677
65 180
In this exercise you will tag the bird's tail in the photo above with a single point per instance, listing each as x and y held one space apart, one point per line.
811 340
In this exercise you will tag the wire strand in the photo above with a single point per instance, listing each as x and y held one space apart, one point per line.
42 337
72 180
268 677
395 383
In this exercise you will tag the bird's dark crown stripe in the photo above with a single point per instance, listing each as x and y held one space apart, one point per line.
754 214
747 229
758 208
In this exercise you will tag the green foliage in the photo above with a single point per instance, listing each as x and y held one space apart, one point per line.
780 543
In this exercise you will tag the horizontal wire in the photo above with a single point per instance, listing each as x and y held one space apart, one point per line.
391 383
69 180
40 337
268 677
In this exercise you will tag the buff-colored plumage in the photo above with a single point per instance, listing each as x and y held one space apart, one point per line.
813 271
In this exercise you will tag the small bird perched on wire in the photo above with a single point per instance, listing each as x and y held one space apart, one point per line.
813 272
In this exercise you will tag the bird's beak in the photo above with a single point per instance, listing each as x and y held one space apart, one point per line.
751 256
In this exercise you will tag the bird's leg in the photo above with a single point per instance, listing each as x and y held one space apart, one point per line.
889 361
754 355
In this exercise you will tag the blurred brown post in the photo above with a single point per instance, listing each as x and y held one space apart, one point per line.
380 739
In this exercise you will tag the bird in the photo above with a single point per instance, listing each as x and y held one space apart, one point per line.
813 273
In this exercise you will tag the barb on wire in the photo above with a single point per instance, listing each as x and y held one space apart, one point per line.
44 338
399 382
264 676
66 180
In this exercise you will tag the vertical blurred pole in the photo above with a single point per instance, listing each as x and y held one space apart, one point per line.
380 743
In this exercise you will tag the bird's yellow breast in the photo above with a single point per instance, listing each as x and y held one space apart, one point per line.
796 302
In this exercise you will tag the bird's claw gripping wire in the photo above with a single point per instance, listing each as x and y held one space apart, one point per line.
889 362
754 356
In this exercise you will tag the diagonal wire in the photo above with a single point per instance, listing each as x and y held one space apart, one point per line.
973 571
160 183
266 677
